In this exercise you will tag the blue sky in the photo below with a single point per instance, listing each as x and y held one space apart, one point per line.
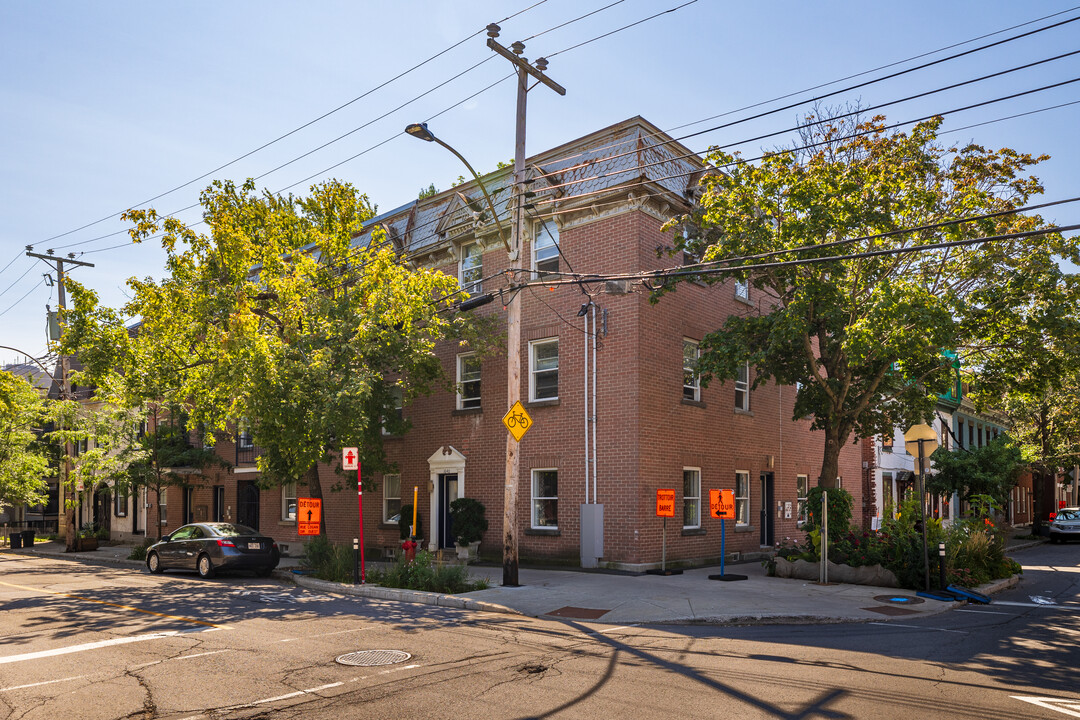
103 105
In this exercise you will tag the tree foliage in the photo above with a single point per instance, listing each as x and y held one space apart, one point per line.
990 470
24 460
276 316
864 336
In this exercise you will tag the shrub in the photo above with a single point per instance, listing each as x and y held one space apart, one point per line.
405 520
423 573
139 551
468 521
839 505
329 561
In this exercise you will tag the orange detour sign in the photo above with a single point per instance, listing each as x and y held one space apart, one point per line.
665 503
308 515
722 504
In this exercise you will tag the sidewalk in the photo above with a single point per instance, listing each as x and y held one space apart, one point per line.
624 599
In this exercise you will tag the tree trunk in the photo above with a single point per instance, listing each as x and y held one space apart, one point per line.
830 463
315 489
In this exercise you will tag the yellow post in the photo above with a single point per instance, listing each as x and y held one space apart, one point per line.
412 530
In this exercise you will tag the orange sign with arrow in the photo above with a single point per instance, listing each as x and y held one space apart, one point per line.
308 516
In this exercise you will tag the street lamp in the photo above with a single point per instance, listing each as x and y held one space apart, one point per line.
513 371
421 132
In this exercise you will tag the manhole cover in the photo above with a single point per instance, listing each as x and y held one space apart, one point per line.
899 599
371 658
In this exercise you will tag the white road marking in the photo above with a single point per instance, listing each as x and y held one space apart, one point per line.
46 682
611 630
339 632
87 646
1043 600
1066 706
298 693
1034 605
917 627
983 612
211 652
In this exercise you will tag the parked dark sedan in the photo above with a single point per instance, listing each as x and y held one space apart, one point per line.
209 547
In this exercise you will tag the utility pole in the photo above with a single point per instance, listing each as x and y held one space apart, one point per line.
513 320
64 470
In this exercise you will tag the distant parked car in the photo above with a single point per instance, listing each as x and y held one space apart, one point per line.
1065 525
209 547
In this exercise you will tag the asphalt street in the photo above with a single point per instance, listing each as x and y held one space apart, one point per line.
89 641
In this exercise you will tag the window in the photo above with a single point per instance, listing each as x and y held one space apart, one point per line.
742 497
121 502
288 502
163 505
545 498
546 248
742 388
971 435
391 497
691 483
887 443
742 290
396 398
544 369
468 377
802 489
219 503
243 439
471 268
691 382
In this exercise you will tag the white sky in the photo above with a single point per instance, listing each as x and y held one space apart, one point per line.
103 105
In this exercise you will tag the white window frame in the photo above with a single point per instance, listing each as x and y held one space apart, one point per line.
691 380
163 506
388 479
742 388
471 268
802 491
534 372
545 248
399 405
534 499
742 519
692 500
468 402
288 493
742 290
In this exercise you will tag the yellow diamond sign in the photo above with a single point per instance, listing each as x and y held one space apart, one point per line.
517 421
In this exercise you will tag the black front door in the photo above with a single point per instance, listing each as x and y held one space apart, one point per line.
767 502
448 493
102 510
247 504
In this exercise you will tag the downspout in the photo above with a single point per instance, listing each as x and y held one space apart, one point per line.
594 418
585 356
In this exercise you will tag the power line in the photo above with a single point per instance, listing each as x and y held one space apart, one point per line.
12 306
16 281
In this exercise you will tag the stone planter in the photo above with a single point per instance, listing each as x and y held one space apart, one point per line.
468 551
864 575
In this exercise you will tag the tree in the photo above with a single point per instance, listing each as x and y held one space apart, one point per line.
24 460
864 335
990 470
277 317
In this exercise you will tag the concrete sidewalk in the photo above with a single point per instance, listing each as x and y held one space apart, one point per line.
625 599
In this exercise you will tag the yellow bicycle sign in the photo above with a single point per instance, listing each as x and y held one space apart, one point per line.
517 421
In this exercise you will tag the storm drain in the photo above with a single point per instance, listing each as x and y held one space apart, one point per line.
371 658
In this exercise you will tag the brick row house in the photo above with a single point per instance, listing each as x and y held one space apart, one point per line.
615 414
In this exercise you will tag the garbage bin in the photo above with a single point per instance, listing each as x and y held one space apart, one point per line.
16 540
28 538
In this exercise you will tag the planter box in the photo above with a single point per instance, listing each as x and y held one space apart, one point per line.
84 544
467 552
864 575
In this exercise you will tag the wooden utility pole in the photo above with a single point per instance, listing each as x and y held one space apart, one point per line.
64 470
513 320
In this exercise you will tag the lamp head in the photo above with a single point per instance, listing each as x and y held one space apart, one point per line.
420 130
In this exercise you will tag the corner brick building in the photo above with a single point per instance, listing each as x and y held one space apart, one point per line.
599 205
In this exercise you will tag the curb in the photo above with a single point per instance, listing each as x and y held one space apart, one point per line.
996 586
1024 546
378 592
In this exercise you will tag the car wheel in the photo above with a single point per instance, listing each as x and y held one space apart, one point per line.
153 563
206 568
264 572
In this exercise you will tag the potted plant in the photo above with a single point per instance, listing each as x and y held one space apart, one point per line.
86 539
469 525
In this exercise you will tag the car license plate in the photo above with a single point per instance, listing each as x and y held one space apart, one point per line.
254 546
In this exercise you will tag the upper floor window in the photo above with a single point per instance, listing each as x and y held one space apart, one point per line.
742 388
468 380
742 290
544 369
546 248
691 382
471 271
244 439
396 399
887 443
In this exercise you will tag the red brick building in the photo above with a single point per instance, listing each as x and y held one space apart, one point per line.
598 208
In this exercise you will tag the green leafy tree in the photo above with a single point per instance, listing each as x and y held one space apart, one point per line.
991 470
276 316
24 458
864 336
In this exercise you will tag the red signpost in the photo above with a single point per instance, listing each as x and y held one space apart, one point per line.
350 460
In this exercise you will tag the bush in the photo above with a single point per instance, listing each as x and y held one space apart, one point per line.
839 504
139 551
405 520
467 520
423 573
328 561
